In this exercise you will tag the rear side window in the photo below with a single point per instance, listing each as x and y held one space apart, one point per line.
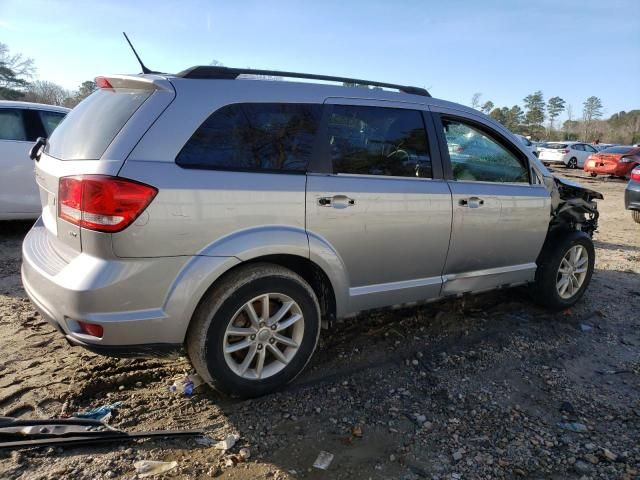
275 137
622 150
91 126
378 141
11 125
50 121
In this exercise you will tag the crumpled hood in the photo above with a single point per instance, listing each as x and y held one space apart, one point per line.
574 189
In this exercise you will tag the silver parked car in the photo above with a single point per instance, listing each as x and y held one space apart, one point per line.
20 124
237 217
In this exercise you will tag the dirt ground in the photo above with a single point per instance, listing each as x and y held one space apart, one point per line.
472 388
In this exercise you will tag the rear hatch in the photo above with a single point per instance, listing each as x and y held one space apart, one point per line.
95 138
553 151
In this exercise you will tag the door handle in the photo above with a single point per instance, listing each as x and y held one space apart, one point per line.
472 202
337 201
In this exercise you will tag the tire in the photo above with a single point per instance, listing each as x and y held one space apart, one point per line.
573 163
635 214
546 289
225 306
593 174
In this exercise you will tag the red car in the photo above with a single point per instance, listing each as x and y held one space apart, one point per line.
617 161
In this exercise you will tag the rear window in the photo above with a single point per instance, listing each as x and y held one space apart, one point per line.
90 127
618 150
555 146
275 137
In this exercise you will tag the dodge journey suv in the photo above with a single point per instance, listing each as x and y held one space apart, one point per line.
236 217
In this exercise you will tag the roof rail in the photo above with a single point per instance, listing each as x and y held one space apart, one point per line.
226 73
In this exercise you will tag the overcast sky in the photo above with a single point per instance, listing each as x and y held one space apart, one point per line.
504 49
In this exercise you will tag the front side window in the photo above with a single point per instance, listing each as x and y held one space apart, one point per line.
254 136
11 125
378 141
477 157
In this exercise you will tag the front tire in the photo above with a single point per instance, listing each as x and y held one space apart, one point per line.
636 215
254 331
565 267
573 163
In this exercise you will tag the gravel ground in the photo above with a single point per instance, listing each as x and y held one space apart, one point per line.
472 388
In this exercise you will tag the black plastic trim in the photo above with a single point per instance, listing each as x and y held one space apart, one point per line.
126 351
225 73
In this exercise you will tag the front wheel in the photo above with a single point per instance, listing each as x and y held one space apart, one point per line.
573 163
255 331
565 267
593 174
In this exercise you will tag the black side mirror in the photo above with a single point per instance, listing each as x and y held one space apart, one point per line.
34 153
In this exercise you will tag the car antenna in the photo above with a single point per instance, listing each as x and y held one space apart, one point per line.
142 65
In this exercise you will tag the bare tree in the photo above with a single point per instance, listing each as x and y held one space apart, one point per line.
569 110
475 100
42 91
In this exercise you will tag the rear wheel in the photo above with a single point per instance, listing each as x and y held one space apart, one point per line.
565 267
255 331
636 215
573 163
593 174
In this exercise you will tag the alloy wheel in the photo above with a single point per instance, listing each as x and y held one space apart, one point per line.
572 271
263 336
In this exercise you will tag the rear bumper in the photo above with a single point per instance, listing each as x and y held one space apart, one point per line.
632 196
143 304
618 170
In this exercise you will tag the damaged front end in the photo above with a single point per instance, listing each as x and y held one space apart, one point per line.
572 205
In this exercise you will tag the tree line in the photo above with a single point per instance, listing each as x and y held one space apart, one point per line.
17 82
622 127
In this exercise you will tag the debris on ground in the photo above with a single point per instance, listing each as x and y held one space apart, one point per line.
147 468
324 460
573 427
187 384
102 413
227 443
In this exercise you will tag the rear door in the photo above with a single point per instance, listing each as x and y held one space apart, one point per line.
380 202
588 151
92 140
19 128
501 210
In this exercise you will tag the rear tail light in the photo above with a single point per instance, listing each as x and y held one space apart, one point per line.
635 174
564 151
91 329
102 203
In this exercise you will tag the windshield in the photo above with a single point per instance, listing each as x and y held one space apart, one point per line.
618 150
90 127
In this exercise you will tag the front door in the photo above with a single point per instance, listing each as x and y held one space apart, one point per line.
382 204
501 212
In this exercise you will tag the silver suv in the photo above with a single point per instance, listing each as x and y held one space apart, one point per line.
236 217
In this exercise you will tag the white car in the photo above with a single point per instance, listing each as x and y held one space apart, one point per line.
571 154
528 144
21 123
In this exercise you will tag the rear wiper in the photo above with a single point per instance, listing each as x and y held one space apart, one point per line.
35 152
16 433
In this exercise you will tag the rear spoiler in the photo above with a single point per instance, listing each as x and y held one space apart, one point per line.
140 82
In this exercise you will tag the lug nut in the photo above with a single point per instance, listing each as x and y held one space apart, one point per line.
253 337
271 340
261 324
273 327
259 346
